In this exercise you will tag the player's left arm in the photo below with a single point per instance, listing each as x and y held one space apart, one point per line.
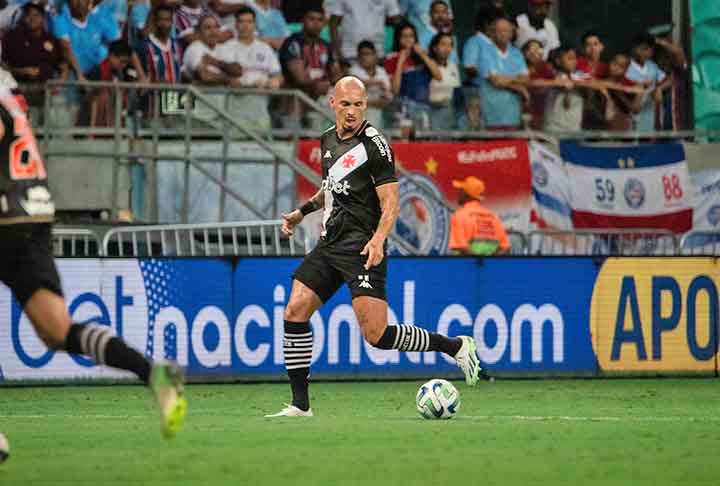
388 194
382 170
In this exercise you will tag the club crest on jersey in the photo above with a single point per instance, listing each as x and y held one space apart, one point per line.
348 161
337 187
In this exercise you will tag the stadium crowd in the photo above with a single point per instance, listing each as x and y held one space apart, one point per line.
512 73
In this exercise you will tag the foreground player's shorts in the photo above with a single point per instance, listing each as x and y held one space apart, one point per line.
325 269
26 260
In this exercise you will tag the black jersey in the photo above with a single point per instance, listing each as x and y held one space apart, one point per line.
352 169
24 194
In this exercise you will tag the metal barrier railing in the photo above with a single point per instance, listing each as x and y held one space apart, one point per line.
518 243
700 243
75 242
214 239
603 242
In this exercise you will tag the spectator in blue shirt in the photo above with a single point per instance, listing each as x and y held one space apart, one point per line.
271 25
85 36
647 74
418 14
484 24
504 76
441 22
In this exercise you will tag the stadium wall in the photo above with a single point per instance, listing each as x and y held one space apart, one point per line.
223 318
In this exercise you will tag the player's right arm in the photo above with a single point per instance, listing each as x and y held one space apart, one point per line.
293 218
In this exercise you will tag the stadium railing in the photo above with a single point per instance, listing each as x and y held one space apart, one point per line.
603 242
75 242
248 238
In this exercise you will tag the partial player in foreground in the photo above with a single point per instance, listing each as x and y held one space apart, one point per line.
359 196
28 268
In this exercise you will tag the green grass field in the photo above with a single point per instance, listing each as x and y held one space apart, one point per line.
633 432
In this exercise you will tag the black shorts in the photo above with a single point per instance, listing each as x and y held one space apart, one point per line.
325 269
26 260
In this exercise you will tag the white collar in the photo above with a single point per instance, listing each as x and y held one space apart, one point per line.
194 11
166 46
502 54
637 66
80 23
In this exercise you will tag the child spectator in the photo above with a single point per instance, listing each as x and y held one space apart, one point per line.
565 103
590 62
624 98
442 91
376 82
542 77
646 73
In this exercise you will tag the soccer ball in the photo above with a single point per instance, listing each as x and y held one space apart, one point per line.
4 448
437 399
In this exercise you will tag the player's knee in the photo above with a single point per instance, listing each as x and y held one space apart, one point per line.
296 311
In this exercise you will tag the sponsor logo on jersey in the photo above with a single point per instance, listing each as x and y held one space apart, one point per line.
382 146
337 187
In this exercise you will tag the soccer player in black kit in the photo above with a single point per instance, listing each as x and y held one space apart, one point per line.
27 267
359 198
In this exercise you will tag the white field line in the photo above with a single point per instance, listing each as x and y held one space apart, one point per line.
461 416
572 418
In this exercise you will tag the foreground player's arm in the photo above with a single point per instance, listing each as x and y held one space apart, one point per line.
293 218
388 194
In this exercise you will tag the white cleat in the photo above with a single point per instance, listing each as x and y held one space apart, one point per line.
291 411
468 361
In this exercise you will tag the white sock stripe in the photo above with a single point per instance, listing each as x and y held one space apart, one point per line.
85 337
289 335
95 342
103 341
426 346
300 341
295 367
299 353
301 360
400 337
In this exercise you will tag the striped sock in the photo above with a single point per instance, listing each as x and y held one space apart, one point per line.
297 350
98 343
406 337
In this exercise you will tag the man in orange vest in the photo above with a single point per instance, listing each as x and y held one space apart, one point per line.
474 229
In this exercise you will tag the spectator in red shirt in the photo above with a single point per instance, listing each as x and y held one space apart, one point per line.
542 77
623 98
590 62
34 56
411 69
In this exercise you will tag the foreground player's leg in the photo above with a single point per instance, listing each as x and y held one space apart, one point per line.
372 316
49 316
297 348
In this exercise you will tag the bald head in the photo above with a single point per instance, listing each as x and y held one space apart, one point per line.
350 104
350 83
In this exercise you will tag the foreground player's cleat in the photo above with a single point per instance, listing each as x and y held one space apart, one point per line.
166 383
291 411
468 361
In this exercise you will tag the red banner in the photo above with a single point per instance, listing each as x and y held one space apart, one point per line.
424 221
